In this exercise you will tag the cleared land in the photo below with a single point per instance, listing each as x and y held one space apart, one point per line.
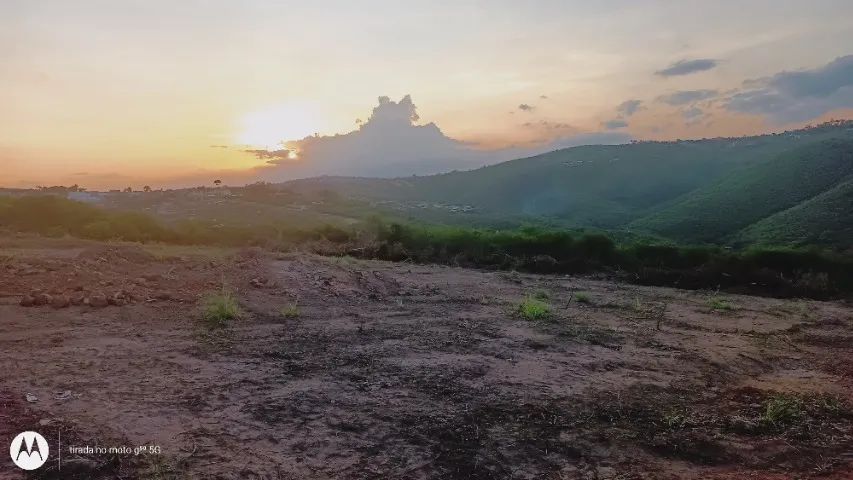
342 368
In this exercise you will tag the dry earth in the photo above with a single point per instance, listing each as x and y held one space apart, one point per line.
399 371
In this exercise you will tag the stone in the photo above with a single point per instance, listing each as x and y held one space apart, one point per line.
98 300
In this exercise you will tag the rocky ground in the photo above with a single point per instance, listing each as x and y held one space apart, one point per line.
342 368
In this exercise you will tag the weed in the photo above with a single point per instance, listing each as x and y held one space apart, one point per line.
674 419
290 311
533 309
582 297
782 410
220 308
718 304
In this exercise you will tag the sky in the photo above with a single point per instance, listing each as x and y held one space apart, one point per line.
109 94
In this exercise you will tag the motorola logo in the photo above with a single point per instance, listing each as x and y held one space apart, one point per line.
29 450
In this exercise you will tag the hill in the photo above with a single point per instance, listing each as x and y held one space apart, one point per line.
749 194
822 220
687 191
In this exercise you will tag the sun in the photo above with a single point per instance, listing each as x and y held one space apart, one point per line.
274 126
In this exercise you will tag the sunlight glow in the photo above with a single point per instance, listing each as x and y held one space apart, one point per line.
272 127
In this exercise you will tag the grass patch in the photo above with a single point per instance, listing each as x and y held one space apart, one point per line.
220 308
532 309
290 311
718 304
782 410
582 297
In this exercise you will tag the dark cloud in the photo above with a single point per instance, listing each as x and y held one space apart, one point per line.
789 97
686 67
615 124
684 97
526 108
629 107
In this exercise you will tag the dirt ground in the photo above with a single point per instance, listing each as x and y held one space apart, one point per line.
377 370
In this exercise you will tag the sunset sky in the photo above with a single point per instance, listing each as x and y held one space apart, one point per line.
114 93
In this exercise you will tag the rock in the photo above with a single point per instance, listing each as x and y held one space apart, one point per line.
151 277
141 281
98 300
60 301
118 300
77 298
27 301
163 296
42 299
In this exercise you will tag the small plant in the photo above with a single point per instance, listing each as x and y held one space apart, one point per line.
221 308
290 311
782 410
582 297
716 303
674 420
533 309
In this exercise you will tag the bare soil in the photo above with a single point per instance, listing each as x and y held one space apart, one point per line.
385 370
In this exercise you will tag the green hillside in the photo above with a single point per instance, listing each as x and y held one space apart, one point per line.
823 220
688 191
749 194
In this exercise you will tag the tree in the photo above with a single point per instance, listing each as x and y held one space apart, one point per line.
217 182
128 190
146 188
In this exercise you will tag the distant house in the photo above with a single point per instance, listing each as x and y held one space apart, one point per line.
86 197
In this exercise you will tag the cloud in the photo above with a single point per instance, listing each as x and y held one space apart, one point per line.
693 115
789 97
391 144
686 67
549 125
526 108
684 97
629 107
614 124
273 157
543 97
219 146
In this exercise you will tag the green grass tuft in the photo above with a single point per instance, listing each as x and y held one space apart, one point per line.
532 309
782 410
719 304
219 309
582 297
